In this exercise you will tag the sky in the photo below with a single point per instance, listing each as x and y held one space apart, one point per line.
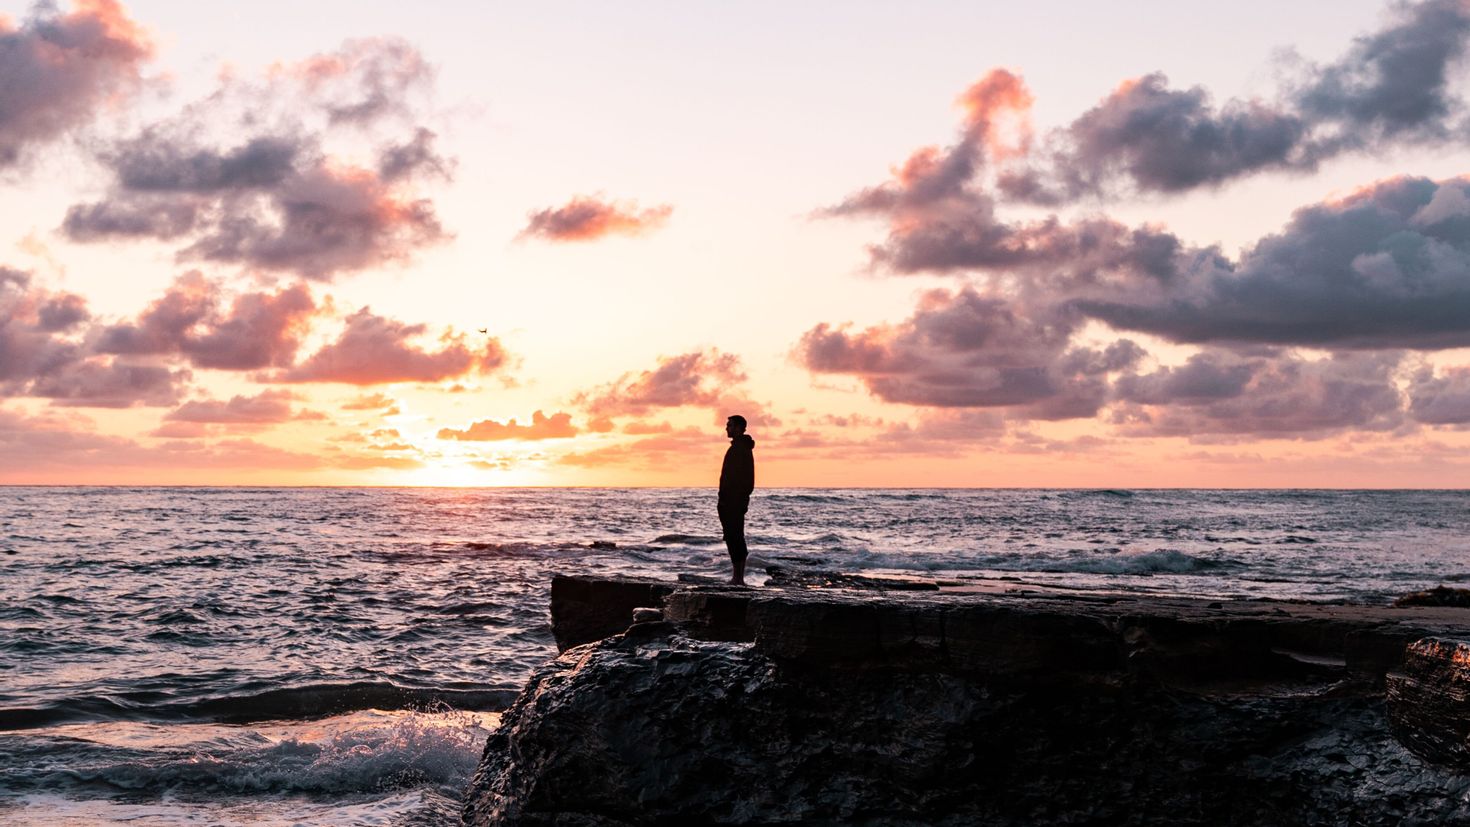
1137 244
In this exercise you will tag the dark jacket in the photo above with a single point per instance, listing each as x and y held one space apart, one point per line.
737 475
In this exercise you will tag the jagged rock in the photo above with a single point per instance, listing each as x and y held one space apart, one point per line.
1429 701
585 609
1437 596
844 707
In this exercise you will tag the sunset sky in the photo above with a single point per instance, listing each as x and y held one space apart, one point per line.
924 244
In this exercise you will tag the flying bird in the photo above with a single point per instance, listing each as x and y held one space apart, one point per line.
484 330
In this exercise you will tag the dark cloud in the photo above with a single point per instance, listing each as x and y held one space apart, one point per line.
110 384
258 330
1440 399
1388 267
586 218
277 198
699 378
965 349
556 426
1161 140
30 347
1390 88
1204 378
377 350
413 159
58 70
1393 82
42 354
1286 396
265 408
63 312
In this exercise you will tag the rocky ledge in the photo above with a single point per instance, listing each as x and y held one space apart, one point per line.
852 705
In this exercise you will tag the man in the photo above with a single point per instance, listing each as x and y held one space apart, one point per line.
737 480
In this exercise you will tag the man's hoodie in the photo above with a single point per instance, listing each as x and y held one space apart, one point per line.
737 475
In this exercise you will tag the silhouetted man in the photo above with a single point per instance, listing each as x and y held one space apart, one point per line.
737 480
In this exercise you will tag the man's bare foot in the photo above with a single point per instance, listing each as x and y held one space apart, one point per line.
736 581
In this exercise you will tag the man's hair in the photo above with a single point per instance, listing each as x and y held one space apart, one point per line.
738 420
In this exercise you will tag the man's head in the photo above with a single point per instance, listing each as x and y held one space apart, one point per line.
735 426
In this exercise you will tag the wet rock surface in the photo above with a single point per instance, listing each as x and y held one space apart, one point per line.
841 707
1429 701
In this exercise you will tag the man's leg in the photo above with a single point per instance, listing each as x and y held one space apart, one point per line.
732 524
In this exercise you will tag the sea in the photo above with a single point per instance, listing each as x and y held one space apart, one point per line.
332 656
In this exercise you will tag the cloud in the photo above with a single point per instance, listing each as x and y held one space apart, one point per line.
372 402
265 408
31 346
1389 88
556 426
110 384
277 198
1387 267
966 349
58 71
586 218
376 350
1440 399
259 330
43 354
700 378
933 176
1284 396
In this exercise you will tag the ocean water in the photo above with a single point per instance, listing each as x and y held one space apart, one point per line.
336 656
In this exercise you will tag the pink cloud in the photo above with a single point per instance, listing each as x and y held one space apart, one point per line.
259 330
57 71
586 218
372 402
265 408
377 350
556 426
697 378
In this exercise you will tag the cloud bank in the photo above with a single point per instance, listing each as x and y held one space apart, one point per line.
247 176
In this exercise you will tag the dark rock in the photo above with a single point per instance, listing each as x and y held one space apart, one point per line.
585 609
665 729
1429 701
1437 596
784 706
782 577
647 615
